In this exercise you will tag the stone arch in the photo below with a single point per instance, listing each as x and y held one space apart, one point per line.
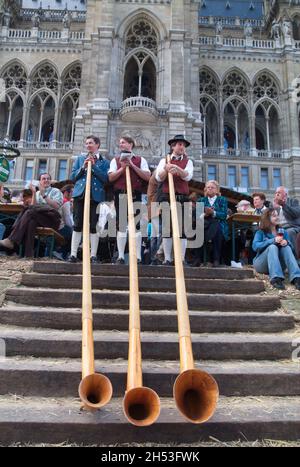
149 16
265 85
13 61
267 118
296 26
71 77
42 63
209 83
235 83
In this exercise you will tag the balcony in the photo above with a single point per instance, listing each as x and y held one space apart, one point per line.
212 153
37 146
139 109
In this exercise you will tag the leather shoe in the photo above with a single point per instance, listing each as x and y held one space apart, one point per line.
120 261
72 259
277 283
296 283
94 259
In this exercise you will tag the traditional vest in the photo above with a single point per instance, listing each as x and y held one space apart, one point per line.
181 186
136 181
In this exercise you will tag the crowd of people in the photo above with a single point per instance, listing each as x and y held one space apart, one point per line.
274 240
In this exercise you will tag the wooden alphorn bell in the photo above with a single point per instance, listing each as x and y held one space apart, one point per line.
95 390
141 405
195 391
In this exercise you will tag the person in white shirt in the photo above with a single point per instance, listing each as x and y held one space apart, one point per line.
139 175
182 170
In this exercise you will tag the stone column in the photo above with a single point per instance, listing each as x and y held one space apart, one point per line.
57 115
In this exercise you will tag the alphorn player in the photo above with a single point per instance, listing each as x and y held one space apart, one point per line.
139 174
182 170
99 178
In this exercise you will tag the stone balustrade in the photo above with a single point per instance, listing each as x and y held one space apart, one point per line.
40 35
143 106
230 42
41 145
211 152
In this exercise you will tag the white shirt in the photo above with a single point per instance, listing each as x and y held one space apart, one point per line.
113 165
212 200
281 217
189 168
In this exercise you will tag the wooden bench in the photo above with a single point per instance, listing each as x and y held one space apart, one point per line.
44 232
52 234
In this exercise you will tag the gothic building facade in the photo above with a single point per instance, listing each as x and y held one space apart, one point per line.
225 73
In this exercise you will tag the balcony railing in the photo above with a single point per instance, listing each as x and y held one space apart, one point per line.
138 109
240 42
31 35
231 22
241 153
52 15
41 145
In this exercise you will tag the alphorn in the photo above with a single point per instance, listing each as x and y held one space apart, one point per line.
141 405
95 390
195 391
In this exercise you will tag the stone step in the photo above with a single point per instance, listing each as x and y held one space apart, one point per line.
114 344
41 420
155 284
155 301
60 378
164 320
144 271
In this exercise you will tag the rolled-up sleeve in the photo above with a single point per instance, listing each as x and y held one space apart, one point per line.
113 166
159 169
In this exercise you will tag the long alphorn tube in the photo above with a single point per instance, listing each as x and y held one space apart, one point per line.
141 405
95 390
195 391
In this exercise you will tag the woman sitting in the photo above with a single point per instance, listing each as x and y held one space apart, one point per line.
215 214
274 252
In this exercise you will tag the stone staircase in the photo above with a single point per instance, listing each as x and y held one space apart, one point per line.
240 335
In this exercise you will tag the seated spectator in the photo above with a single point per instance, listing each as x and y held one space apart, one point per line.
289 215
274 252
41 212
259 200
66 225
67 207
244 207
215 215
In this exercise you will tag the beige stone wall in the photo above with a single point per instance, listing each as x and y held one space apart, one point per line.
179 58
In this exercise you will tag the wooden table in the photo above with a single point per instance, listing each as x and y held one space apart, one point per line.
238 221
9 211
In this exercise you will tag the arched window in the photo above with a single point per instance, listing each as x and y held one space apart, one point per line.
15 77
68 114
141 35
141 46
140 77
208 88
41 118
71 83
234 85
208 84
265 86
267 128
296 28
11 110
72 79
45 77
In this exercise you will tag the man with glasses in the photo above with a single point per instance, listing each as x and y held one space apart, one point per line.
43 211
288 213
